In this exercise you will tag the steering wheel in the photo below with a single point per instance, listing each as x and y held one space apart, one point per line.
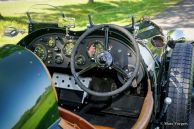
105 59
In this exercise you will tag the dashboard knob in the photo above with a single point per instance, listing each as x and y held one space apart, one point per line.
49 56
49 51
49 62
56 49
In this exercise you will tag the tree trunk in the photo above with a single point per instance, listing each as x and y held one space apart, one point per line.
90 1
1 17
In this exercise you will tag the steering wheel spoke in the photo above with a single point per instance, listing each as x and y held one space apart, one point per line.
120 70
91 66
106 38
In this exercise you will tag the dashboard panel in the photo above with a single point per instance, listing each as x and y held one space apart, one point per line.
55 49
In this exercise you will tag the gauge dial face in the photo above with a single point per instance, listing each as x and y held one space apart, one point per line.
80 60
51 42
95 48
68 47
40 51
58 59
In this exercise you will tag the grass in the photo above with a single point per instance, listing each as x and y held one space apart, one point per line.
104 11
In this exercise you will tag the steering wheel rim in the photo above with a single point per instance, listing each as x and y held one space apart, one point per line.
129 81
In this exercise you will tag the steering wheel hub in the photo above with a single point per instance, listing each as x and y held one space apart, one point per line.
104 59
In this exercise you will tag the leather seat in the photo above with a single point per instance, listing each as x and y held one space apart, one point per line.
70 120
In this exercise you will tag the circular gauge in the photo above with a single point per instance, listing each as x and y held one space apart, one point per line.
68 47
80 60
40 51
51 42
95 48
58 59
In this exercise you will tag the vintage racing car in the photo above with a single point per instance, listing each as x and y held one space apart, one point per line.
105 76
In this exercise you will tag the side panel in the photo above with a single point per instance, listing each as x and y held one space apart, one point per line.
27 99
147 57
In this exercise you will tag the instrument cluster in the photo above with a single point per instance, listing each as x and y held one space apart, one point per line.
53 49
